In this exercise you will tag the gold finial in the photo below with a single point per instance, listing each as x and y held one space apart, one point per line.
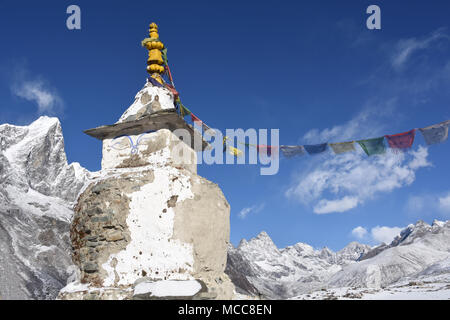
155 60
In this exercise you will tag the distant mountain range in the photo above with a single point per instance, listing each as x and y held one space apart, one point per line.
258 267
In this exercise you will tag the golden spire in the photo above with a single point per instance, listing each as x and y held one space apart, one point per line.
155 59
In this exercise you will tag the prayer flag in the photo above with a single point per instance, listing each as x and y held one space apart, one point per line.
373 146
195 119
436 133
154 82
401 140
184 111
234 151
316 148
268 150
292 151
342 147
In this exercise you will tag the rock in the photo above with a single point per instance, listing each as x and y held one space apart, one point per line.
115 235
90 267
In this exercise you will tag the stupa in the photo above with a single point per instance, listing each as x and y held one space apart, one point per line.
155 105
148 227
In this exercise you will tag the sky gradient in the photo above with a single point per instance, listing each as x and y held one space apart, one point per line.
309 68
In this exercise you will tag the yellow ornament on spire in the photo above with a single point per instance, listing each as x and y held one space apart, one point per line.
155 62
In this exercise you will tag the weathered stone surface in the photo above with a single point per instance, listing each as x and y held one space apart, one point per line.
163 223
156 148
106 231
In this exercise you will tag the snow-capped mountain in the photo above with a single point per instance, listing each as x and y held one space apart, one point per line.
37 190
420 251
258 265
415 249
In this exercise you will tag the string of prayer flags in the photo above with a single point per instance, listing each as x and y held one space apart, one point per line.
401 141
373 146
435 133
316 148
292 151
342 147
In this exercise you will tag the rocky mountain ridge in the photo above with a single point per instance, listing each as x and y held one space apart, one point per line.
37 190
258 267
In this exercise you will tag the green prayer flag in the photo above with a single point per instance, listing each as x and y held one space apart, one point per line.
373 146
184 111
164 55
342 147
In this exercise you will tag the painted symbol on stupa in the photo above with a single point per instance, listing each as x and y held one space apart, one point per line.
124 142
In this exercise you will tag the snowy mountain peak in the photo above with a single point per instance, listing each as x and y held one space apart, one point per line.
33 157
37 188
261 241
437 223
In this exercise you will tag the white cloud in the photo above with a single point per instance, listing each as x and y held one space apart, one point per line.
246 211
367 123
429 203
37 90
340 205
47 100
405 48
377 234
385 234
351 179
444 204
359 232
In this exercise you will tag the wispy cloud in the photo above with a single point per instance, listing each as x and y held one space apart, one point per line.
369 122
253 209
339 205
406 48
377 235
444 204
429 203
37 90
353 178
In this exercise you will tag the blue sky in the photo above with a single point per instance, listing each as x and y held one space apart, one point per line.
309 68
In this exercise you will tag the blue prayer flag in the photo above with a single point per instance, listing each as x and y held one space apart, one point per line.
316 148
292 151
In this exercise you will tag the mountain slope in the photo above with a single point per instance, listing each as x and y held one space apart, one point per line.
282 273
416 248
37 189
421 252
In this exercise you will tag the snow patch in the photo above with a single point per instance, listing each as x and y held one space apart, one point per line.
169 288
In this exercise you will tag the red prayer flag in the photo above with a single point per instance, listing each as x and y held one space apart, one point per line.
401 140
195 119
269 150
